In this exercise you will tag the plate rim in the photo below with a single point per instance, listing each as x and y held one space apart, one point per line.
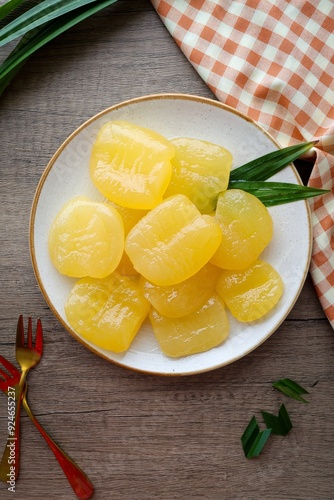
43 178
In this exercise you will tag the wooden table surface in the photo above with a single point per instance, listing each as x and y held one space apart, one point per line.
142 437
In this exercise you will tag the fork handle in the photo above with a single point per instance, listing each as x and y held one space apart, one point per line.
80 483
10 462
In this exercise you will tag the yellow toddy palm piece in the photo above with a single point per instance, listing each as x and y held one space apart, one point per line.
247 228
183 298
130 217
196 332
172 242
126 267
250 293
201 170
107 312
86 239
131 165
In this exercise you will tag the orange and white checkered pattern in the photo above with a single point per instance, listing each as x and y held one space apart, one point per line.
273 60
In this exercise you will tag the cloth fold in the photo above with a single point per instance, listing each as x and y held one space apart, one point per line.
272 60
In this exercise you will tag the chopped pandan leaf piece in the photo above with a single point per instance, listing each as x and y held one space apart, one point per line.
253 440
291 389
279 424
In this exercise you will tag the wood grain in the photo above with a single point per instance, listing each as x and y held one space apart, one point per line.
142 437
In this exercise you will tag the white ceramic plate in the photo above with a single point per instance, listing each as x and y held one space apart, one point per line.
173 115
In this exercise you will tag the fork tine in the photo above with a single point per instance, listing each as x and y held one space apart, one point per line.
5 378
9 366
39 337
29 338
20 332
9 377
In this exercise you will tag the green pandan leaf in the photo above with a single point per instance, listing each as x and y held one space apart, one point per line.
279 424
266 166
253 440
291 389
8 7
40 14
38 37
277 193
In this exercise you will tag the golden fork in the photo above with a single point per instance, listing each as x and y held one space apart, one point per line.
28 356
80 483
9 379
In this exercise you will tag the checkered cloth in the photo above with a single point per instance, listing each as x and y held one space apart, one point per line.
272 60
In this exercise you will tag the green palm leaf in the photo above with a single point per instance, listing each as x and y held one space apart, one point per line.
266 166
7 7
40 36
277 193
36 16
